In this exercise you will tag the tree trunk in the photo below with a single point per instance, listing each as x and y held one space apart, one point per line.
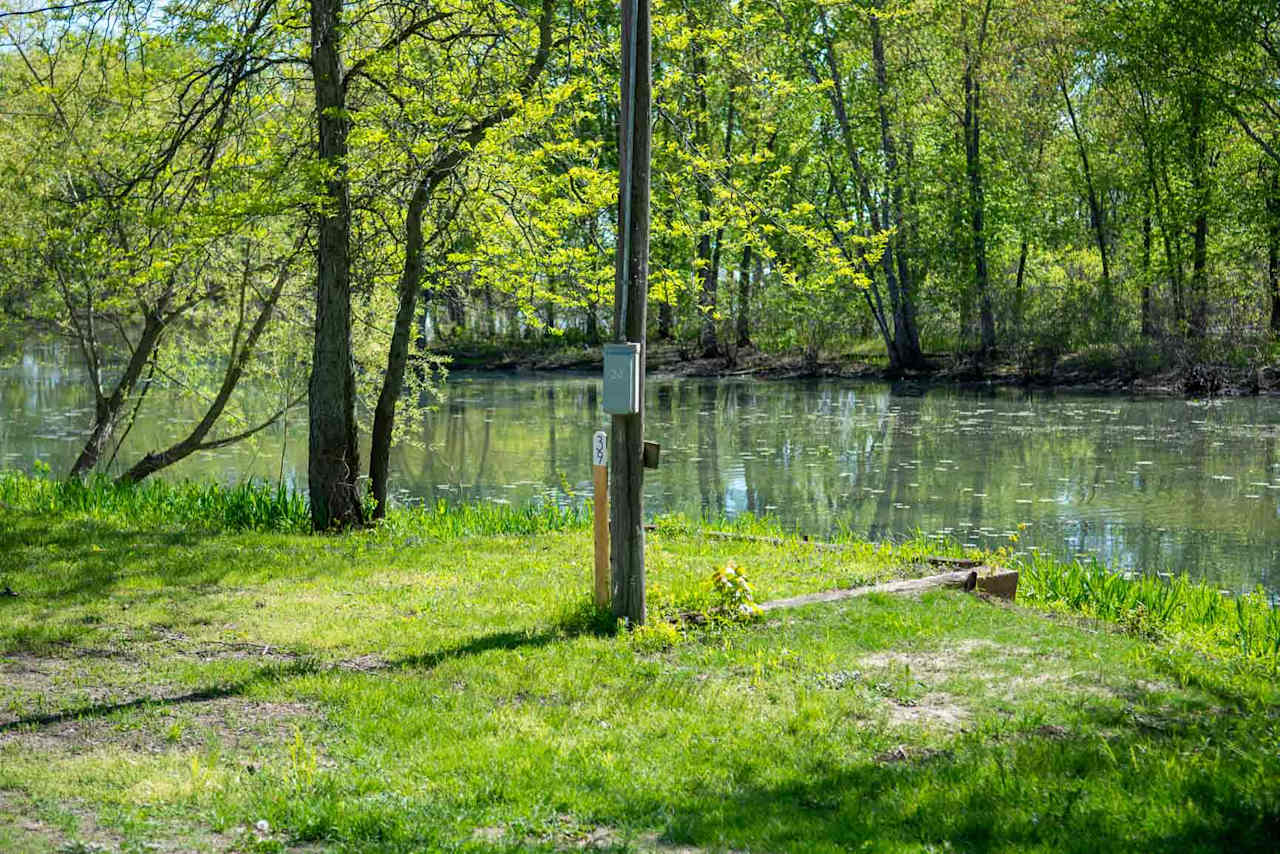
626 488
743 319
1019 292
398 352
906 338
1198 150
1273 250
1148 322
835 94
107 409
490 317
444 165
240 355
973 166
708 274
333 462
1096 216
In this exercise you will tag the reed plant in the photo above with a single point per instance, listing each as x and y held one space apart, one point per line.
446 520
1154 605
259 506
206 505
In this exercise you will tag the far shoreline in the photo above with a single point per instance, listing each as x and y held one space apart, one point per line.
1081 373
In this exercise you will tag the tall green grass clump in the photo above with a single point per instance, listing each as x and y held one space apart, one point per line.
248 506
258 506
443 520
1247 626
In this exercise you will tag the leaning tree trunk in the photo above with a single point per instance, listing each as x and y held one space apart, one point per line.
743 319
333 463
398 352
242 352
445 164
107 408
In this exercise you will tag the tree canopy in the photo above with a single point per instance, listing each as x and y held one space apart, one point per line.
228 198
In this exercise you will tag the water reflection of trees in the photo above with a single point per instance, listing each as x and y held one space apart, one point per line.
710 486
1134 481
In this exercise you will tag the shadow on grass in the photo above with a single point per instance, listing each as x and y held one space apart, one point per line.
584 620
1036 794
1195 781
104 554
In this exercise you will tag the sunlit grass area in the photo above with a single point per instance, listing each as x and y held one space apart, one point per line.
441 683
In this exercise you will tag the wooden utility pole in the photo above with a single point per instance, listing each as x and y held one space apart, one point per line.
631 288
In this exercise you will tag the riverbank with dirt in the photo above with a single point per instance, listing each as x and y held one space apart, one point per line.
1078 372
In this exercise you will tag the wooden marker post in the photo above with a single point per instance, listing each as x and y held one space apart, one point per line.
600 509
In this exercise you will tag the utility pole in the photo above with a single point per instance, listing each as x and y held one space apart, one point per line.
631 289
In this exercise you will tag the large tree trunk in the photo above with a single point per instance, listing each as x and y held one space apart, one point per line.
333 463
107 408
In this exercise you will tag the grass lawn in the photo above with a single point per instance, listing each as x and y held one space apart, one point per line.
181 689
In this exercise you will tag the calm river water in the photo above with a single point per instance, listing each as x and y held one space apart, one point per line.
1154 484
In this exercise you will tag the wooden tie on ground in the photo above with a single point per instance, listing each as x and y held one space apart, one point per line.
1002 584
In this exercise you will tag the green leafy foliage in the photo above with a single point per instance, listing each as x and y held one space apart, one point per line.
735 595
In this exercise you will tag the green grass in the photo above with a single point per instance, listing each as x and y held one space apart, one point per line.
440 684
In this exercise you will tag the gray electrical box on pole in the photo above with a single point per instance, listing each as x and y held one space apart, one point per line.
622 379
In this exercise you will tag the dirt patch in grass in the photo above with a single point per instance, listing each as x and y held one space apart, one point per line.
904 753
21 673
33 685
935 665
231 722
18 814
932 710
565 833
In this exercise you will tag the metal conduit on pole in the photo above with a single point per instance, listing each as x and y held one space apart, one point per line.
631 288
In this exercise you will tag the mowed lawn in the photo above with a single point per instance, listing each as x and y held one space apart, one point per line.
170 690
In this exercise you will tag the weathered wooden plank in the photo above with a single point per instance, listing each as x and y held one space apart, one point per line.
1001 583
